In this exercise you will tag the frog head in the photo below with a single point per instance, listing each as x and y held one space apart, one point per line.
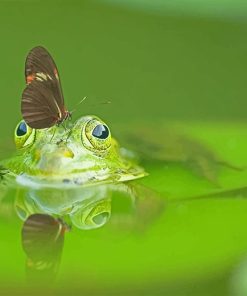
84 153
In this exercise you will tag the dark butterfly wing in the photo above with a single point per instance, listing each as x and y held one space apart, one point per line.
38 105
41 66
42 101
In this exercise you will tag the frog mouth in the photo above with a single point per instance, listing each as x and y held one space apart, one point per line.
80 179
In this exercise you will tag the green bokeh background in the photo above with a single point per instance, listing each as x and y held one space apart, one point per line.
149 65
156 61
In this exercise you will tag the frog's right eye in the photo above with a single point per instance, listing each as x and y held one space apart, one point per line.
24 135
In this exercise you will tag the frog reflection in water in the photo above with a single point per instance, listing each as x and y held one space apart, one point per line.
71 175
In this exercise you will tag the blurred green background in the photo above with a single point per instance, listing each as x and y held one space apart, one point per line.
189 65
156 61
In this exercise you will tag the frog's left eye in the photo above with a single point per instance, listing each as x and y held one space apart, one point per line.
96 135
24 135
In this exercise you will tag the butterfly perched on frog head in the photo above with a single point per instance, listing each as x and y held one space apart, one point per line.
42 103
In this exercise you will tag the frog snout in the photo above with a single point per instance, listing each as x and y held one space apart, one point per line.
53 160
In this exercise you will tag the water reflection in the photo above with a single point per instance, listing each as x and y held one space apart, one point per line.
48 214
42 241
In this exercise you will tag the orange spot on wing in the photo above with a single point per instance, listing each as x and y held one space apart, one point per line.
30 78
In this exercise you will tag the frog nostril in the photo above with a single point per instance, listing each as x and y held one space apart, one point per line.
68 153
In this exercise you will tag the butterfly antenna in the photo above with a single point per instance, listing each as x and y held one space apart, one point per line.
83 99
105 102
101 103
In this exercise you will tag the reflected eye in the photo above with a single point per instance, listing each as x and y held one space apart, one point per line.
24 135
96 135
91 215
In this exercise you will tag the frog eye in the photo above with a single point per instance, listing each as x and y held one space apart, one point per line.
24 135
96 135
101 131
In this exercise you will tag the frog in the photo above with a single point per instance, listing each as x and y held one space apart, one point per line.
73 172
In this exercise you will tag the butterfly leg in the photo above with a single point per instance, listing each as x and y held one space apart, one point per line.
69 134
53 134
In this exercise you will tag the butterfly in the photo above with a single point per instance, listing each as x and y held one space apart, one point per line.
42 103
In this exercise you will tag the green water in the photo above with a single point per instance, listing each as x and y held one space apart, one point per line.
155 68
